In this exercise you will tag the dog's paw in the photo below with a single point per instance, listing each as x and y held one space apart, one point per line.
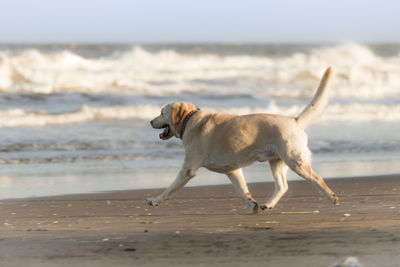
254 208
335 200
267 207
152 202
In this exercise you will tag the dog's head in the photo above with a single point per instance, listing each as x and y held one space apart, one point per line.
171 118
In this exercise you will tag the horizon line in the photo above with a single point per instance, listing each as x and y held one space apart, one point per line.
199 43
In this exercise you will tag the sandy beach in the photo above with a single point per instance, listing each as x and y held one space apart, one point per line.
207 226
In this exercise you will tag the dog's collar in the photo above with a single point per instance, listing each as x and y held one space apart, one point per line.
185 121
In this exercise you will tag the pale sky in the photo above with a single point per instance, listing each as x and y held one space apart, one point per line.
229 21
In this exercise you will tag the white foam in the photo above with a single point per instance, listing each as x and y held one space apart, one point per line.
359 73
336 112
20 117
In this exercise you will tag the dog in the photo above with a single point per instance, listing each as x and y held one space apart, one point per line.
226 143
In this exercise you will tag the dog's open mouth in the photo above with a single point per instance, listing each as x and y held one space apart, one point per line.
165 134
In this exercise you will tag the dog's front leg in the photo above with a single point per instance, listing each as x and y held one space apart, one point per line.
183 177
240 185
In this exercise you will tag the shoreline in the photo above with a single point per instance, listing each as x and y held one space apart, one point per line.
199 185
207 225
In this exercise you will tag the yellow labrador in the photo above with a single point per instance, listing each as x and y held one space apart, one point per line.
226 143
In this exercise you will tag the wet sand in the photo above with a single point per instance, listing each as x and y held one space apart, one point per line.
207 226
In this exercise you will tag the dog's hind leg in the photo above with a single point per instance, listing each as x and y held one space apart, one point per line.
305 171
240 185
279 170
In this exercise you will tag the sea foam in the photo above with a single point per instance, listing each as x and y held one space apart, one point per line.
359 73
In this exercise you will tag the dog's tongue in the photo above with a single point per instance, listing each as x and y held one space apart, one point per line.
165 133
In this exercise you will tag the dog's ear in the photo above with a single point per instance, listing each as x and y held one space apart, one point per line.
180 110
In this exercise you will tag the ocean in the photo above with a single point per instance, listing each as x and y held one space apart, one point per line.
75 118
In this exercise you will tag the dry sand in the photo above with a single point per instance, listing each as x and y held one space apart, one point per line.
207 226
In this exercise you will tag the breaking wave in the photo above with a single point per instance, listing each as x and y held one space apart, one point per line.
359 73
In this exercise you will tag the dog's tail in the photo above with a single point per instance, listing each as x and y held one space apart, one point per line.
318 103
